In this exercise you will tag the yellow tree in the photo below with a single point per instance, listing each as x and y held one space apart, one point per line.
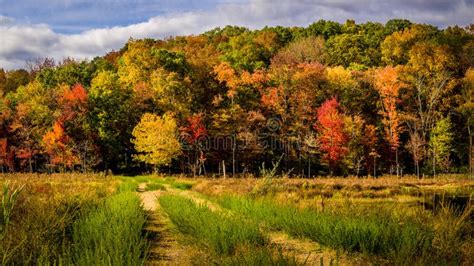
156 140
430 91
395 47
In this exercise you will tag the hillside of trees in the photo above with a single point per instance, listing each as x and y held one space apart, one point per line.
327 99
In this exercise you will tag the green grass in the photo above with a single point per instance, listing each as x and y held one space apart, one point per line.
371 234
131 183
182 185
154 186
259 256
111 234
127 185
217 230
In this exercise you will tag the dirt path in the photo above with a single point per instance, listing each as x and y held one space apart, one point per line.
304 250
167 249
165 246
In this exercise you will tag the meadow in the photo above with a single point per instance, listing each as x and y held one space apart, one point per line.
93 219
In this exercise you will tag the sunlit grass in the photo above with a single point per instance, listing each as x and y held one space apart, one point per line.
370 234
111 234
222 233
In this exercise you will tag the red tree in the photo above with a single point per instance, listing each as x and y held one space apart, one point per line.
331 138
192 134
73 102
6 156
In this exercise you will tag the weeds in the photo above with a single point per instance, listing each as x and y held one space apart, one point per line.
9 199
370 234
110 234
41 220
270 173
260 256
451 232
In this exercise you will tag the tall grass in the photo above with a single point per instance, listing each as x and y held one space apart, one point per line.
259 256
154 186
130 183
111 234
182 185
370 234
127 185
9 199
221 232
41 218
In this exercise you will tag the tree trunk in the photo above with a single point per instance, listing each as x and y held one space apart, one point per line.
471 167
84 166
223 168
233 156
417 169
397 163
309 166
375 168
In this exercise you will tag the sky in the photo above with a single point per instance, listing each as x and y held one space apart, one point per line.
83 29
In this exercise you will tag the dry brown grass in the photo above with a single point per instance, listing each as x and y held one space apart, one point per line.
353 187
45 211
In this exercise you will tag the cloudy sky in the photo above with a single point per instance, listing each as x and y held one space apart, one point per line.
31 29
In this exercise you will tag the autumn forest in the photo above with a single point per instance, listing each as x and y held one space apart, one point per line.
326 99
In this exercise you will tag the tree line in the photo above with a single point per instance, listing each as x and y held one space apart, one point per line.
330 98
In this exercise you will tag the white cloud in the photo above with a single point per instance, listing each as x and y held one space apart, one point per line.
20 42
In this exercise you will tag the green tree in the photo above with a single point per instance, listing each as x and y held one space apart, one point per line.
112 116
467 109
395 25
14 79
347 49
323 28
441 138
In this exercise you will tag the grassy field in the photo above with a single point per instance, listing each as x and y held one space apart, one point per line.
71 219
87 219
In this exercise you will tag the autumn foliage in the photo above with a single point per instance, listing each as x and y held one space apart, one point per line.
331 136
346 99
388 86
56 144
